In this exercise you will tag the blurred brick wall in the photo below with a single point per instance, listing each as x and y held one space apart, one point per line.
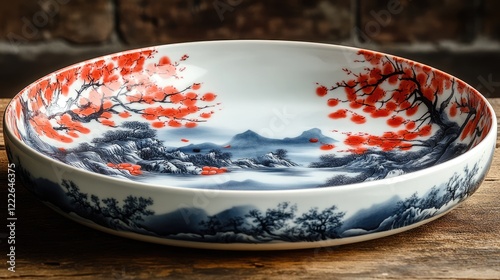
77 21
43 35
161 21
143 22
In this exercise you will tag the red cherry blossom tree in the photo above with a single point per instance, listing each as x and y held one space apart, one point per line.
421 106
63 106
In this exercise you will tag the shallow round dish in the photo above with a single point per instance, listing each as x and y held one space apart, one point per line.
251 145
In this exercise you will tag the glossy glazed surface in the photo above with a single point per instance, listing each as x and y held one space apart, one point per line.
272 142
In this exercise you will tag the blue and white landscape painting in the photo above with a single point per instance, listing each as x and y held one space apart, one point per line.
283 222
243 161
252 162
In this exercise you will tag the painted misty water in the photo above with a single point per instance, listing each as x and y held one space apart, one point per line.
248 160
245 161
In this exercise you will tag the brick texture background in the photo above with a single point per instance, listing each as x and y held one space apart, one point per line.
29 28
406 22
150 21
139 22
77 21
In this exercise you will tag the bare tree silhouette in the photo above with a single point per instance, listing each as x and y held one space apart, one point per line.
273 221
321 224
109 211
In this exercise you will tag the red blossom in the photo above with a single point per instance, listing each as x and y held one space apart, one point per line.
120 86
405 95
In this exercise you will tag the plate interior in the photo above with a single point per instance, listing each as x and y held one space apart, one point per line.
260 117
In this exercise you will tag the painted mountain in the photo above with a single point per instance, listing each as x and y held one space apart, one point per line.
188 220
250 139
369 219
250 143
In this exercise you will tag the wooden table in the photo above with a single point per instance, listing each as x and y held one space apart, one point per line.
463 244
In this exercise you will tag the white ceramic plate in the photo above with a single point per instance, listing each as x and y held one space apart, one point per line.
251 144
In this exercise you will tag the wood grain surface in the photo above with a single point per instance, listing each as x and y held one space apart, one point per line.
464 244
